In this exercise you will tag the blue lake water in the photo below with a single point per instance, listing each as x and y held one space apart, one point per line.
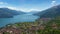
18 18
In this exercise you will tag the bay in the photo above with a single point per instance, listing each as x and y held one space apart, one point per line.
18 18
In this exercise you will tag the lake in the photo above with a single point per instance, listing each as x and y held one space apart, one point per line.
18 18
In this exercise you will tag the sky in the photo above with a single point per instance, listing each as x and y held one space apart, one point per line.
28 5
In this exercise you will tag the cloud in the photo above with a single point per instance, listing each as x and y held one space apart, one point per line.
3 3
12 8
53 2
20 9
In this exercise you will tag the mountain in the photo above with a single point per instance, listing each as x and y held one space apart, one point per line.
8 13
33 12
50 13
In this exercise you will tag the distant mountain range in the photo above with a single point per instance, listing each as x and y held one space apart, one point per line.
50 13
8 13
33 12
